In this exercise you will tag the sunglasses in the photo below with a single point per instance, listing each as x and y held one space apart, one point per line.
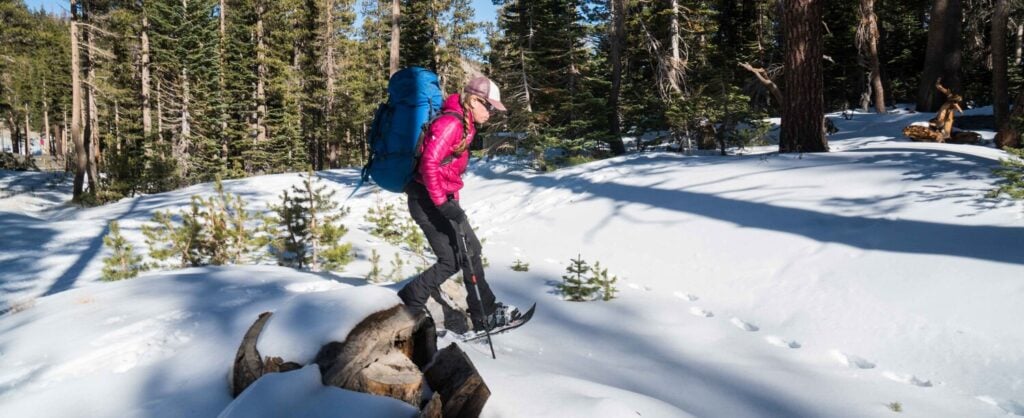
487 105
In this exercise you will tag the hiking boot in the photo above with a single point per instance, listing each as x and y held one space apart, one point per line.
503 315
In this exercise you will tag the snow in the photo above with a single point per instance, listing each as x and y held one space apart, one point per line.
756 284
300 394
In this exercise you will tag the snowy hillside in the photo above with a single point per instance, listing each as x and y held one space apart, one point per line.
760 285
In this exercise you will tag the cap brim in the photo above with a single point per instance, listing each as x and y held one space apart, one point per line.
497 105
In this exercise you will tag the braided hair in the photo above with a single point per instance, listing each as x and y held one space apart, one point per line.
465 102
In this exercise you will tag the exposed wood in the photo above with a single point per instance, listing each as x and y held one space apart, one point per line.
943 120
376 356
433 409
260 118
453 376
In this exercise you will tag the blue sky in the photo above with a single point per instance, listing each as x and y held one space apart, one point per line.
485 10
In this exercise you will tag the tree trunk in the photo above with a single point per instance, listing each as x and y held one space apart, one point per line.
147 117
261 77
92 133
181 146
28 128
618 9
867 36
942 57
803 108
81 158
1000 82
330 76
396 15
1008 136
1020 43
15 140
46 144
675 66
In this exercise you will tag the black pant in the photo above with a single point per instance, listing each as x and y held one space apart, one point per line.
441 235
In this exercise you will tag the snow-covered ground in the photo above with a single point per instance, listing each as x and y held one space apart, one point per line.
831 284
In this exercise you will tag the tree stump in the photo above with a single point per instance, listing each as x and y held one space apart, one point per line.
452 376
377 356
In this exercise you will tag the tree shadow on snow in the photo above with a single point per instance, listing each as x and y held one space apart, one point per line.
987 242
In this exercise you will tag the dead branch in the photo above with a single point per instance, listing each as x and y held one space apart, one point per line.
762 76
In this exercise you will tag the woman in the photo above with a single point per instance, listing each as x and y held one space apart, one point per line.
434 202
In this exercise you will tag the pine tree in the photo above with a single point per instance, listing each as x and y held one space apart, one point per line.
602 280
310 233
122 263
574 286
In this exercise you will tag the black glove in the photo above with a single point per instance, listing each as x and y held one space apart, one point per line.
453 212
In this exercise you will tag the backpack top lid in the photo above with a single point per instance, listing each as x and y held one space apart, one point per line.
414 86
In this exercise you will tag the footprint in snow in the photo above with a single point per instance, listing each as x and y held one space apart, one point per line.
746 326
701 312
852 361
908 379
685 296
639 287
781 342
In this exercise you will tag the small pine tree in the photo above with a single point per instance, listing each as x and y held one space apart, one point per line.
375 272
519 265
384 218
290 243
601 279
574 286
309 232
214 230
1012 170
166 240
397 265
123 263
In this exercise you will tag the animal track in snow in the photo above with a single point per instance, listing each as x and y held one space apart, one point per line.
781 342
908 379
685 296
852 361
701 312
746 326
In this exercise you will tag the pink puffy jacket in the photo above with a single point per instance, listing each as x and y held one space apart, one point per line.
442 137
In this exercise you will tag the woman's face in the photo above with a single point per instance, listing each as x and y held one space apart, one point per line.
480 108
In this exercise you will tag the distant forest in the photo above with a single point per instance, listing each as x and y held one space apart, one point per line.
145 96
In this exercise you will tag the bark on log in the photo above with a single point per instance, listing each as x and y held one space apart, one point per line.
453 376
377 356
433 409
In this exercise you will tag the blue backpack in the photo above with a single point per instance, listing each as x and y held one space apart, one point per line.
414 100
